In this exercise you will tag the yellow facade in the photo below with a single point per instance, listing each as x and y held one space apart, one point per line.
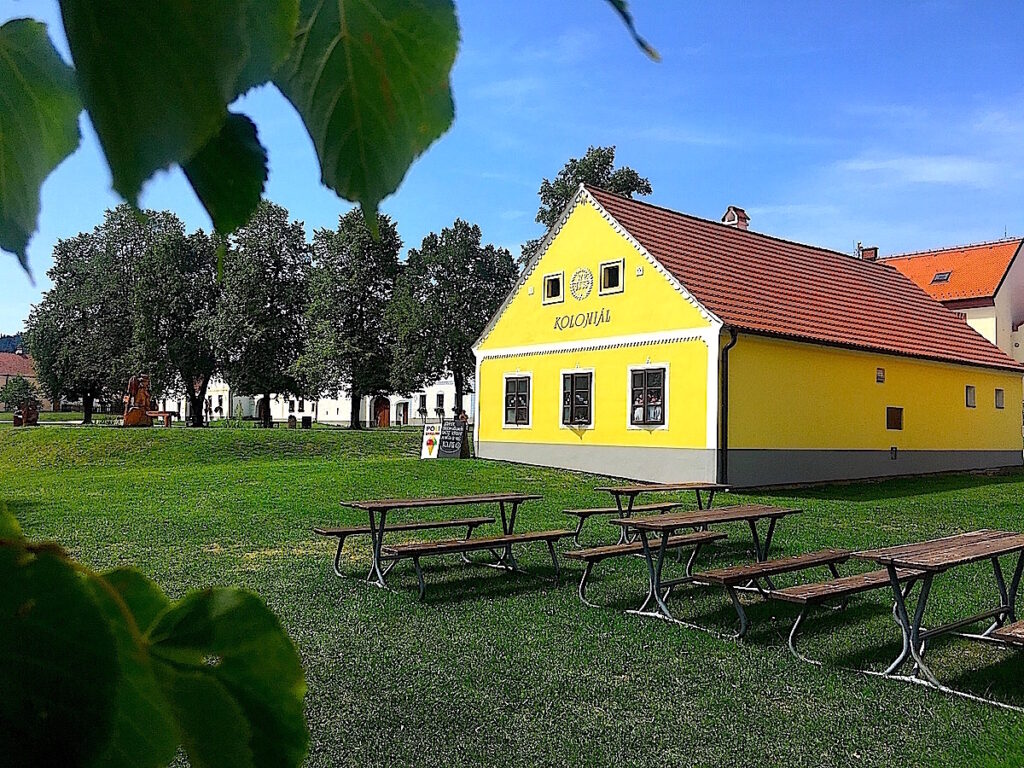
788 395
686 415
648 302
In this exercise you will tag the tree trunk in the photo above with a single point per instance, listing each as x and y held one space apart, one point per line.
268 419
460 389
87 407
197 400
353 417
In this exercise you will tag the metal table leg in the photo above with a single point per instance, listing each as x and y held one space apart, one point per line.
625 513
661 610
376 576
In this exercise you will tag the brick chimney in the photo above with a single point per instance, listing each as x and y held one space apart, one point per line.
869 253
736 217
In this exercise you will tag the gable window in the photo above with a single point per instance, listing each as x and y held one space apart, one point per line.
893 418
553 293
941 277
577 399
611 273
970 397
880 375
647 397
1000 399
517 401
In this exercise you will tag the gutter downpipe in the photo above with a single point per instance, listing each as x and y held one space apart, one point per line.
723 441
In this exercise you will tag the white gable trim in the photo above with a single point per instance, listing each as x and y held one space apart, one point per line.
583 196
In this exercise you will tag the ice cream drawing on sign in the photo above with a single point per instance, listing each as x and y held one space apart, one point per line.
431 439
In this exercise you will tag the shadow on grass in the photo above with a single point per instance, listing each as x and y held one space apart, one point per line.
895 488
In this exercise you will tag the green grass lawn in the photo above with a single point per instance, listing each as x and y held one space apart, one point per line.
8 416
499 669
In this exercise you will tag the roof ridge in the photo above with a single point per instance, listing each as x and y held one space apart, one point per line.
728 227
964 247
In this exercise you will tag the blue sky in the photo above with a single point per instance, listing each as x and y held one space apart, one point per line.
897 124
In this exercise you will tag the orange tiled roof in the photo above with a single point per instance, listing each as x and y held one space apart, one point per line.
16 365
975 271
766 285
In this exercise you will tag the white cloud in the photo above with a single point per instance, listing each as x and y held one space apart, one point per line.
925 169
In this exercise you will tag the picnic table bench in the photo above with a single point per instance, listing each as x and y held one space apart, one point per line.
585 514
415 550
593 555
667 525
344 532
377 511
629 493
933 558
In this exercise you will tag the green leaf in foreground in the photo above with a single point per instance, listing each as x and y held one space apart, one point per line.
155 77
39 109
228 174
623 10
58 662
371 83
226 644
270 25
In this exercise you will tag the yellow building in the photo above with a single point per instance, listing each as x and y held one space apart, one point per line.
647 344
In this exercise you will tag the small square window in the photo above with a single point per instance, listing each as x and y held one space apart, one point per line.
553 289
893 418
880 375
970 396
611 273
941 277
1000 399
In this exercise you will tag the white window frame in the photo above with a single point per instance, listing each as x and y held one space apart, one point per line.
544 288
970 394
1000 398
593 385
601 290
629 397
529 403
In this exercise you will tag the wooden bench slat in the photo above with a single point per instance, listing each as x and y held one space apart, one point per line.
845 586
731 514
740 574
454 546
439 501
953 555
1012 634
596 554
355 530
654 507
890 554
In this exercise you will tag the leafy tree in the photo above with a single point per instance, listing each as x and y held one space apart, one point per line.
260 329
451 288
176 299
350 286
82 333
596 167
16 391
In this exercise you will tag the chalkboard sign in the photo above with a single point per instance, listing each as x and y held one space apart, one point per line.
454 444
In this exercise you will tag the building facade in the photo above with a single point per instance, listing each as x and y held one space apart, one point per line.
18 363
647 344
427 406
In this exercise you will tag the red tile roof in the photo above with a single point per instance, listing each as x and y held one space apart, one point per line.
766 285
16 365
976 271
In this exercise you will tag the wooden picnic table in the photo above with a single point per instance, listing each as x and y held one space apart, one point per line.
667 525
630 492
935 557
378 510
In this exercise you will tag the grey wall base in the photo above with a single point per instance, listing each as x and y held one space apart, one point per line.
784 467
656 465
747 468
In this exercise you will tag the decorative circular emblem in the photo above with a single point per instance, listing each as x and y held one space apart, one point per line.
581 283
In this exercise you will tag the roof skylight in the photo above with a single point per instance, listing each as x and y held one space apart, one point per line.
941 277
